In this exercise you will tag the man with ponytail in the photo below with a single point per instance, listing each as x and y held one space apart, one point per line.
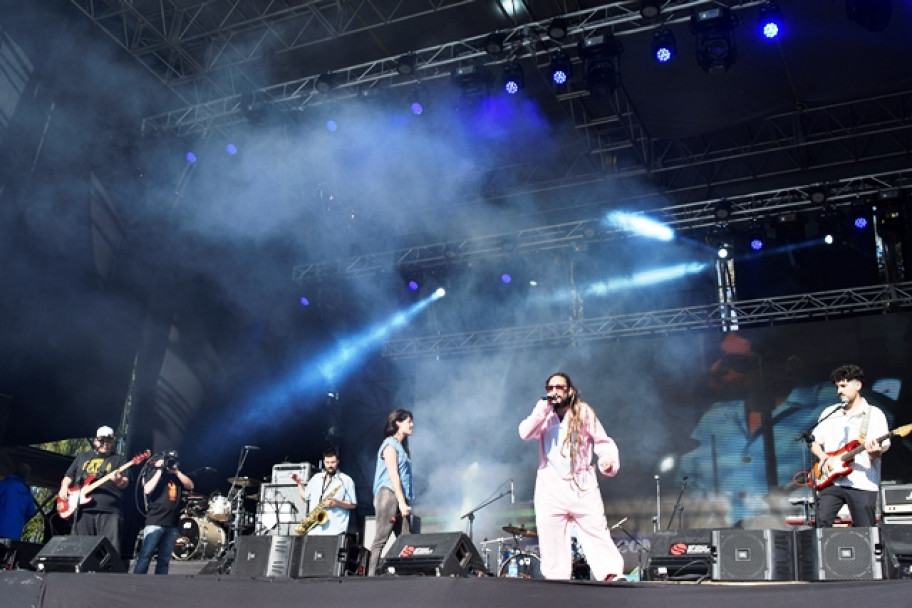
566 486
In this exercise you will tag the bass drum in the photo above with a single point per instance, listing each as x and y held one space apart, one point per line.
521 565
198 538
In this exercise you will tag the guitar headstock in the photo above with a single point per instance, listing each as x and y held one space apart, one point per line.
903 430
141 457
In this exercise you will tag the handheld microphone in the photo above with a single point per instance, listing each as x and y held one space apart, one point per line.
251 447
545 397
512 494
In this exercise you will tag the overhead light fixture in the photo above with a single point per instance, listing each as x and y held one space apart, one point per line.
326 82
872 15
817 195
756 236
860 214
600 56
664 45
650 9
494 43
713 29
770 21
830 224
473 78
561 68
722 210
557 29
406 64
514 79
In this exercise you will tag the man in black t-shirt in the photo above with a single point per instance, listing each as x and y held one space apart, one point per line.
163 484
102 514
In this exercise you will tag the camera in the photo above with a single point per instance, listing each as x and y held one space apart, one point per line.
170 460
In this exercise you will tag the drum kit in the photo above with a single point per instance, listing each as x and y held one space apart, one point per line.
513 559
205 526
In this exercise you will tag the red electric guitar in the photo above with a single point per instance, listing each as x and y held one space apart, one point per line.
80 495
846 453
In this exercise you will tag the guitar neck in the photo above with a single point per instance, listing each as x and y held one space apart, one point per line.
107 477
858 449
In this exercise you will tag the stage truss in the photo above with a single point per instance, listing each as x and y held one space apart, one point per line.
821 306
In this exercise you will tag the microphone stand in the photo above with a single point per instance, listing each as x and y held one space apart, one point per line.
677 509
470 515
642 551
808 438
658 516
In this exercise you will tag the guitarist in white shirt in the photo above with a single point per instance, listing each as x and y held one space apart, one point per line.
855 481
103 514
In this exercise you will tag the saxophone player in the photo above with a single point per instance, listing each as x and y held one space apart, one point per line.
330 490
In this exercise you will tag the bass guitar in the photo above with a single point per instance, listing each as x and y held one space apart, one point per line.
80 495
846 453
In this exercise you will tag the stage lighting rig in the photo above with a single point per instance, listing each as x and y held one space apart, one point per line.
561 68
714 32
557 29
600 55
514 79
664 45
770 23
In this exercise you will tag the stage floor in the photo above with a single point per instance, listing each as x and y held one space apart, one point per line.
184 588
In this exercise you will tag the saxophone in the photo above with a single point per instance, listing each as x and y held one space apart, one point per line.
318 516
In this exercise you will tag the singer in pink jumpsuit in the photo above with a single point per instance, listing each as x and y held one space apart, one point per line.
566 487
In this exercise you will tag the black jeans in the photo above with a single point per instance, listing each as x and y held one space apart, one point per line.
862 505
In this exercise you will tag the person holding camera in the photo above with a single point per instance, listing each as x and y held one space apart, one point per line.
163 484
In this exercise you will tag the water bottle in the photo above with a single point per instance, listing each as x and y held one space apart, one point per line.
513 567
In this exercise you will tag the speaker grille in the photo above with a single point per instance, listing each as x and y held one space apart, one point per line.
840 554
753 555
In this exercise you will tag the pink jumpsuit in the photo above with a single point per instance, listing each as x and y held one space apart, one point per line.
559 500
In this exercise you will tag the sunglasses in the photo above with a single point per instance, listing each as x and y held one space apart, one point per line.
555 387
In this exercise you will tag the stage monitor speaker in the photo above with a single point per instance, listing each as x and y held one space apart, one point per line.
442 554
680 555
78 554
325 555
265 556
897 545
753 555
828 554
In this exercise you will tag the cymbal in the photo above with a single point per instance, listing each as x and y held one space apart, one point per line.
520 531
244 482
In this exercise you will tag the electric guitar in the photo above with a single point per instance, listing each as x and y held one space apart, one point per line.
80 495
846 453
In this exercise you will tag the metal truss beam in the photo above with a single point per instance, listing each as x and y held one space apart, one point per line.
221 111
685 217
821 306
200 49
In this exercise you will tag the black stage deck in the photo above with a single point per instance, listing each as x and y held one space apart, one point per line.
182 588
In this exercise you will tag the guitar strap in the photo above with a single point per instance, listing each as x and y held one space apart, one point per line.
863 431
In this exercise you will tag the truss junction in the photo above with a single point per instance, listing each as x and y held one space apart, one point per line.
828 305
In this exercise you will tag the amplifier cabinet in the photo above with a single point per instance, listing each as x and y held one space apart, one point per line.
896 499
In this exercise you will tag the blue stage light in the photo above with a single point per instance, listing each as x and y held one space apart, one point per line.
770 20
664 45
561 68
513 78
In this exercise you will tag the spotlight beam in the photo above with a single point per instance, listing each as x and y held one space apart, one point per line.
332 366
641 225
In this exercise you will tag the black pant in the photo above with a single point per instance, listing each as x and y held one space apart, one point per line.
862 505
109 525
